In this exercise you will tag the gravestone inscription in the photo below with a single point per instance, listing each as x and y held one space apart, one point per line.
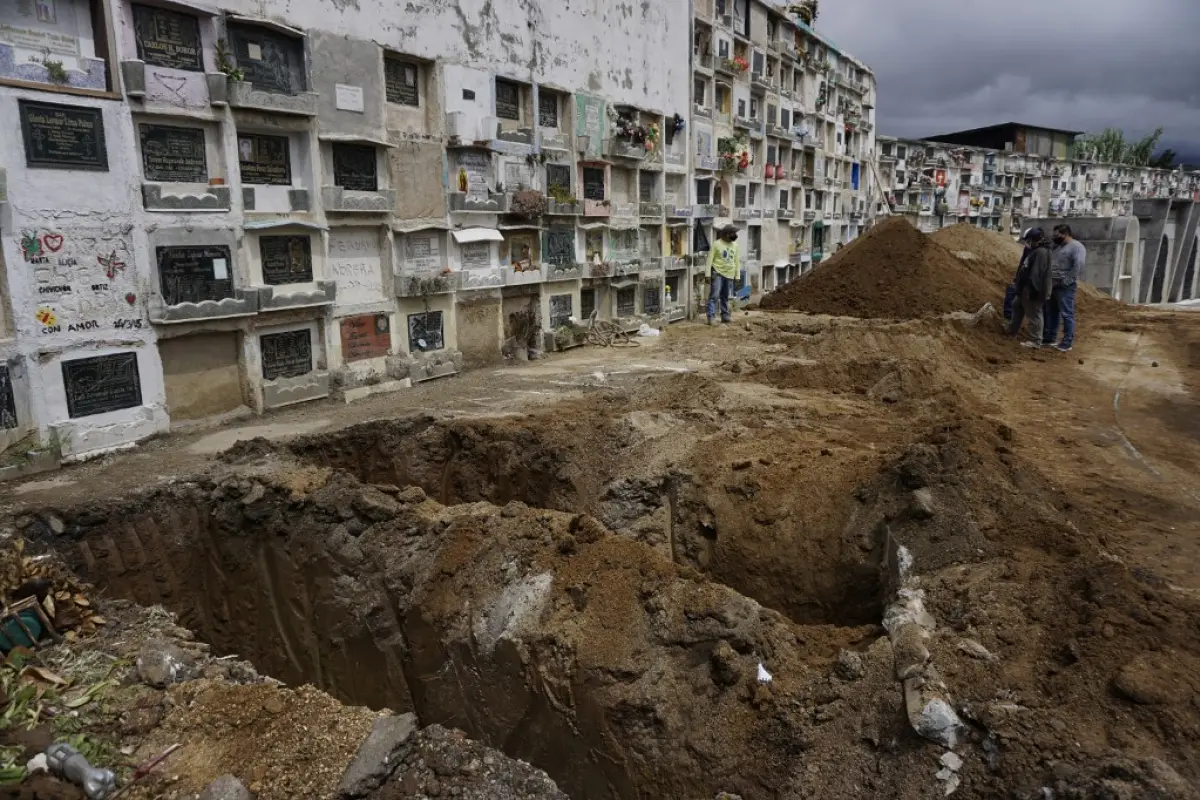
174 154
63 137
193 274
286 259
264 159
168 38
100 384
287 354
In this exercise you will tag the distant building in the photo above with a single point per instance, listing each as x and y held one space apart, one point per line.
1015 137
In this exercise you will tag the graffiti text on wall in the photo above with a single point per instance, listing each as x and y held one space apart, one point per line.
82 281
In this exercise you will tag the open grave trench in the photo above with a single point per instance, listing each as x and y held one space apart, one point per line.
466 570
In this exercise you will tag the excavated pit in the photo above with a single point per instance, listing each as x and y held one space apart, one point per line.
810 561
461 572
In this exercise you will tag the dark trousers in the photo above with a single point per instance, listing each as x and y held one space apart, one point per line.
1060 310
1010 294
1027 306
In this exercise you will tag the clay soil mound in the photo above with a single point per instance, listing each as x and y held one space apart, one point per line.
892 272
994 257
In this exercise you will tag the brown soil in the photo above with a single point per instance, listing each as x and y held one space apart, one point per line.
590 583
994 257
892 272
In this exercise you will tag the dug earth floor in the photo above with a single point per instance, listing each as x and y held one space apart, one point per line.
588 563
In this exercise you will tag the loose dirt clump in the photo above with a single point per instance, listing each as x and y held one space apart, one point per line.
893 272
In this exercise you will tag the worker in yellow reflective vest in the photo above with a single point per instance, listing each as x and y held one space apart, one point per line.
724 263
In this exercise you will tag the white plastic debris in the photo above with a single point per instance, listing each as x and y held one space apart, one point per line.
37 764
646 330
763 675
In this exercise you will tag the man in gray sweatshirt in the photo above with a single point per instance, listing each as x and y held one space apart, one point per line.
1068 258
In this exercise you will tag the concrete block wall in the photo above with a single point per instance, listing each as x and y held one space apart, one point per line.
224 126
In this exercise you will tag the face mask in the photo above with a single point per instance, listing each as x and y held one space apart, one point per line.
1058 240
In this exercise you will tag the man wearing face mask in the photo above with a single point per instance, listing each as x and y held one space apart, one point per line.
1033 288
1068 258
724 263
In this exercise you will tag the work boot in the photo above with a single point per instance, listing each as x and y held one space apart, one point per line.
712 321
1032 345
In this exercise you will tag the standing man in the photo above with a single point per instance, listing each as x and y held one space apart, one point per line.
724 263
1010 293
1068 259
1034 285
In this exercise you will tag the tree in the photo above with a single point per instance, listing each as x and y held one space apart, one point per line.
1164 160
1111 147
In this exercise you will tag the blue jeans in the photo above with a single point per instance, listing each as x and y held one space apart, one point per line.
719 288
1010 294
1060 310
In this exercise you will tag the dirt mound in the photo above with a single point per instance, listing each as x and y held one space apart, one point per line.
994 257
894 272
991 255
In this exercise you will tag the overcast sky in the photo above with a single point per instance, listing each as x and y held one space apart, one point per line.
947 65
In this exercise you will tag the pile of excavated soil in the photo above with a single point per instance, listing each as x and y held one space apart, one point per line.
892 272
994 257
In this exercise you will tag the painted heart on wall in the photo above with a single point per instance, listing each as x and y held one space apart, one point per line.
131 298
52 241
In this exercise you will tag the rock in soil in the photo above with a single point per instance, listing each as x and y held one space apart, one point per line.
161 663
376 758
226 787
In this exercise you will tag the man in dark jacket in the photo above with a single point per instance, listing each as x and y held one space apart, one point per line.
1035 280
1010 292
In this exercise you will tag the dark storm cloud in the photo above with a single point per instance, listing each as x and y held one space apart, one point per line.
945 65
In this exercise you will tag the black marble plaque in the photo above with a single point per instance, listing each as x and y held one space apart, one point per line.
587 303
265 160
191 274
8 401
652 299
101 384
355 167
548 110
562 307
286 259
508 100
63 137
626 302
401 82
173 154
593 183
425 332
168 38
560 246
286 355
270 61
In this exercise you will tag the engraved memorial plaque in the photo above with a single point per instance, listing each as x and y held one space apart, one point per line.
562 307
508 100
265 160
560 246
401 78
423 251
286 355
366 336
101 384
63 137
548 110
425 332
286 259
652 299
355 167
476 255
168 38
192 274
177 155
270 61
626 301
